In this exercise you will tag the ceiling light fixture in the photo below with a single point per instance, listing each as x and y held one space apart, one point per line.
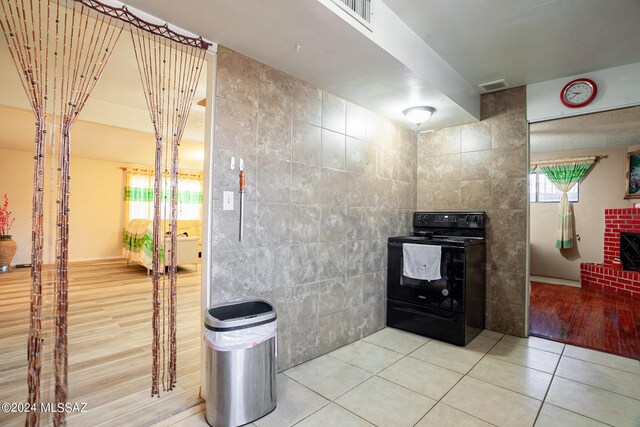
419 115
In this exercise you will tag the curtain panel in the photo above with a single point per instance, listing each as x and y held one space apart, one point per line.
169 73
138 195
564 175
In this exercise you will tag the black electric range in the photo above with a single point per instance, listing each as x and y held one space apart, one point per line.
450 308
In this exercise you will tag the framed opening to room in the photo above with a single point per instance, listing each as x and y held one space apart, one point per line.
580 293
109 301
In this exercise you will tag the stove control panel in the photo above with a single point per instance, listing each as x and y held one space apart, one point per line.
449 219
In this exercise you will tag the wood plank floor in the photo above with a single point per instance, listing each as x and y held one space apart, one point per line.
586 317
109 344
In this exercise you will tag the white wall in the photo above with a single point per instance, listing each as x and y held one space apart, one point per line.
602 188
96 205
618 87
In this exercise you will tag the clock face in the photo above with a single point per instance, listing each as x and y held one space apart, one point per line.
578 93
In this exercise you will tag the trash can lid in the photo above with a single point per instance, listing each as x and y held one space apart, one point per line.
239 315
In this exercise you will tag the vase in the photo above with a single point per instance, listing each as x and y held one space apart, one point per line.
7 251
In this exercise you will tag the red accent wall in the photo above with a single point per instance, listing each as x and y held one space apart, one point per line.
615 222
604 276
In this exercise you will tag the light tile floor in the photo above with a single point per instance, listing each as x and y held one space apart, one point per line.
394 378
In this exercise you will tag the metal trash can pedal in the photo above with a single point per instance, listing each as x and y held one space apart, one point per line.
240 365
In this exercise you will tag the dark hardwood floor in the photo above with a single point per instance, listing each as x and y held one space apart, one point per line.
586 318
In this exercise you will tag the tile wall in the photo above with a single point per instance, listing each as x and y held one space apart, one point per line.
327 183
484 166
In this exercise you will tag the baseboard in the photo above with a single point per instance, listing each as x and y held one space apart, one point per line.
555 281
100 258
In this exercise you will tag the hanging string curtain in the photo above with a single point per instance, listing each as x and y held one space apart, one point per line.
564 175
169 72
60 49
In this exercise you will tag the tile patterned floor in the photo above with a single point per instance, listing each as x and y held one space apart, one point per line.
394 378
586 317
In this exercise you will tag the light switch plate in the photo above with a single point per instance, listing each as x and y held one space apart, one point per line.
227 200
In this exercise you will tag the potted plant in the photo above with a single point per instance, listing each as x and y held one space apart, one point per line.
7 246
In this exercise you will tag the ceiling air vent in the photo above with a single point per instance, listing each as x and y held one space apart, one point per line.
359 9
494 86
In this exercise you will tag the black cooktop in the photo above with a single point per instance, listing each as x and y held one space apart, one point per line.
446 228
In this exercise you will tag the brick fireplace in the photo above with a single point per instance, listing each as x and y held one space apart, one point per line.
609 276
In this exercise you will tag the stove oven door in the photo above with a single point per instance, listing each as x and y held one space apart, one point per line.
446 293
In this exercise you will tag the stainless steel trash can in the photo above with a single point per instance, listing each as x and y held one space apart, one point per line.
240 363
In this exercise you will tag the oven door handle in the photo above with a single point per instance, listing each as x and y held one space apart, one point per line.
399 245
426 314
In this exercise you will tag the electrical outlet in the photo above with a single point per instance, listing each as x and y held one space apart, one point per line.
227 200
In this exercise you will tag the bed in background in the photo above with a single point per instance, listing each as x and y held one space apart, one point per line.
137 243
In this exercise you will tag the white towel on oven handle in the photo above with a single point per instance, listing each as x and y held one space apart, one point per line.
421 262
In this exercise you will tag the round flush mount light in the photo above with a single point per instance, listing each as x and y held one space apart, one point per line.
419 115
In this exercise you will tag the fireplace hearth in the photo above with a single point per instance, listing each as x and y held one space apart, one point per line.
621 246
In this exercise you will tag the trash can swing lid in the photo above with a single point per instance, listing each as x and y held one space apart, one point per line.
240 313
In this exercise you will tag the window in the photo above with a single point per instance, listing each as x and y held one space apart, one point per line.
541 190
139 195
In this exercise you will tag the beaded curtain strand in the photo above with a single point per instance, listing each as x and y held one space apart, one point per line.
60 49
170 72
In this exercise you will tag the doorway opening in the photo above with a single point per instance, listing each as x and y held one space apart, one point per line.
580 293
110 296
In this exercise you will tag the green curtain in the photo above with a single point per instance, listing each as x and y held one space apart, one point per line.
138 197
564 176
138 194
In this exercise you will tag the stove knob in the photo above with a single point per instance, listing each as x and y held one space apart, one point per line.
419 218
467 218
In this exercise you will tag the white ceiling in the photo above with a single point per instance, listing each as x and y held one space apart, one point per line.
526 41
618 128
377 70
420 53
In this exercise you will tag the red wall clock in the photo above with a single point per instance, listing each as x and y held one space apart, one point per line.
578 93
